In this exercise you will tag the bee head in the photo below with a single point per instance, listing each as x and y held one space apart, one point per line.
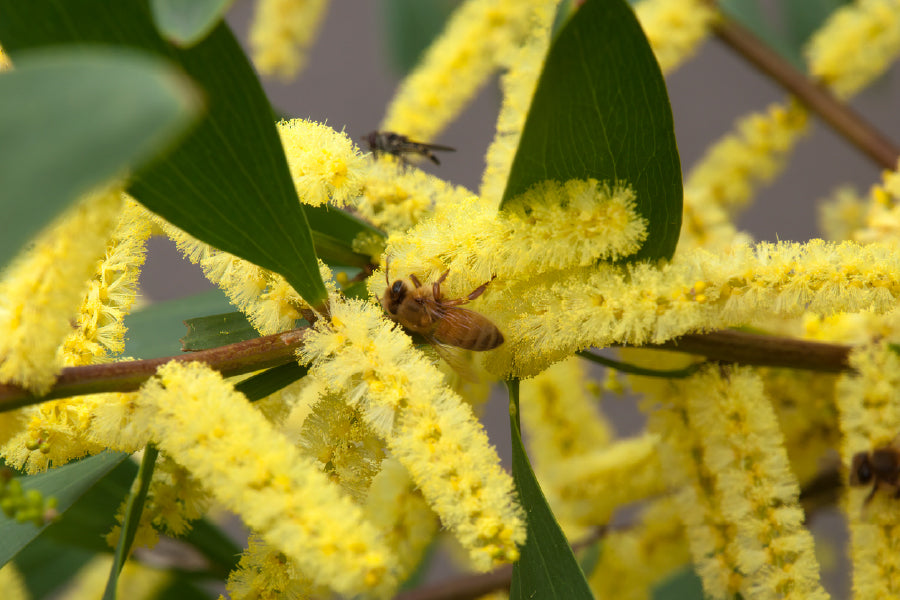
861 469
394 296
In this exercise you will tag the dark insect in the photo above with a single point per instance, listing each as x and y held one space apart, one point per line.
388 142
880 467
424 310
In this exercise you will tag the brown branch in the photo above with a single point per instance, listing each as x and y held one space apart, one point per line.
763 350
816 97
230 360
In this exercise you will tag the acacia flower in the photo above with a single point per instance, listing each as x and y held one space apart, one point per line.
551 226
869 403
264 571
857 43
42 287
12 583
136 581
456 64
326 165
282 32
427 427
203 424
674 28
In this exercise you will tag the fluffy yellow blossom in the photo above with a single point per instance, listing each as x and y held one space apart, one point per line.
755 153
869 403
551 226
549 317
518 85
203 424
434 435
347 450
266 573
282 32
757 491
5 63
100 327
11 581
326 165
634 561
42 287
136 581
856 44
396 197
396 507
674 28
174 499
877 219
478 37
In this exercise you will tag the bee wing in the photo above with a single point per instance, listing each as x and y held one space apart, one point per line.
453 356
466 329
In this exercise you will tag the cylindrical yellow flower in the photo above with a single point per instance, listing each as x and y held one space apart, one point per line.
674 28
282 32
203 424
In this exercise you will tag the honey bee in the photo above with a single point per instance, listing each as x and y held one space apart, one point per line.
880 467
395 144
424 310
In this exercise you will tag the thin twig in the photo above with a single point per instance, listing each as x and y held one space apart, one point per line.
816 97
233 359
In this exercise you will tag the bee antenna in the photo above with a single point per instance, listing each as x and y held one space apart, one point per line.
387 268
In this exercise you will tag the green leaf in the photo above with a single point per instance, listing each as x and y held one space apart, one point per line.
132 519
750 14
228 184
212 543
271 380
46 565
155 331
684 585
547 568
411 26
185 22
803 18
217 330
601 111
118 110
66 484
333 233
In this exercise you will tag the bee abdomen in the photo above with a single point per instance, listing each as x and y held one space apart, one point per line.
479 334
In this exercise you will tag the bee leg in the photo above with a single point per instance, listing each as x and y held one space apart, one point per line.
480 289
436 286
871 495
415 281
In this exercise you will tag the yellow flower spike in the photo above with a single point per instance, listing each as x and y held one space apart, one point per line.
282 32
479 37
548 317
11 581
518 85
869 406
257 473
857 43
136 581
535 235
265 572
758 494
427 427
674 28
42 287
633 562
101 329
326 165
395 197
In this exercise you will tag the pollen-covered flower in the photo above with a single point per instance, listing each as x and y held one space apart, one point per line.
551 226
478 38
203 424
41 289
427 427
674 28
326 165
282 32
858 42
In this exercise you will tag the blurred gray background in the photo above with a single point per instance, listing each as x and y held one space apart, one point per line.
350 79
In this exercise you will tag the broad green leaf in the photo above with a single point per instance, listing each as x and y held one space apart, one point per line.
46 565
684 585
333 233
132 518
600 110
217 330
66 484
411 25
546 568
118 110
803 18
750 14
271 380
156 331
185 22
228 183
